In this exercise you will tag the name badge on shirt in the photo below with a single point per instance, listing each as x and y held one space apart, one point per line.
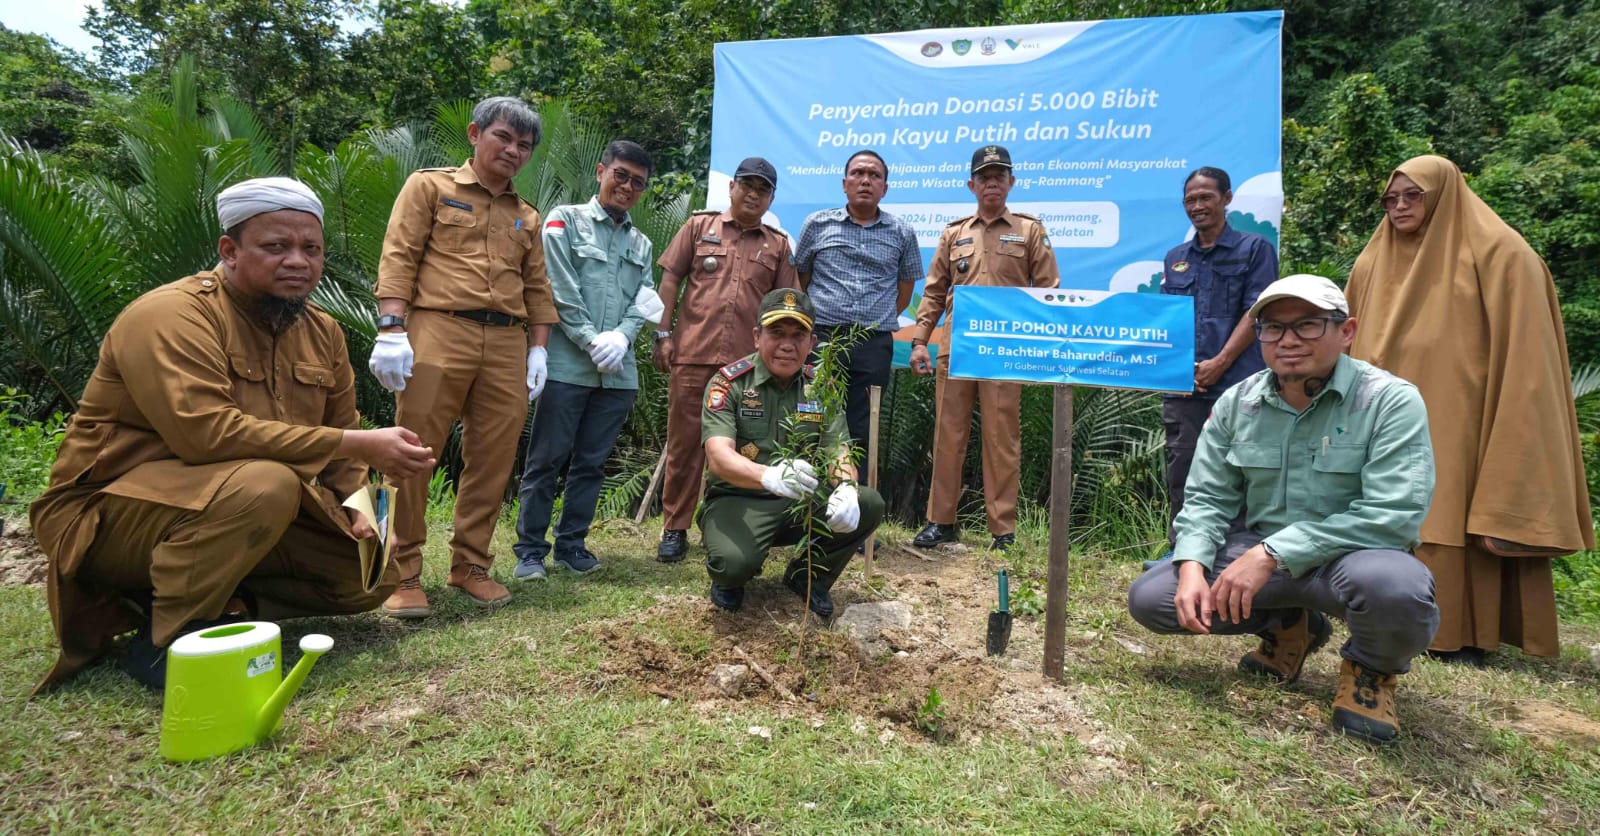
752 412
710 239
1011 239
960 241
457 204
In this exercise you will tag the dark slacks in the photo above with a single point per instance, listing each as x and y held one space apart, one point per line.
867 364
574 428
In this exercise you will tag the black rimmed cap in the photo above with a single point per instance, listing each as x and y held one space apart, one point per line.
990 155
757 167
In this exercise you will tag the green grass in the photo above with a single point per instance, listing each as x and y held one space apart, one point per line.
525 719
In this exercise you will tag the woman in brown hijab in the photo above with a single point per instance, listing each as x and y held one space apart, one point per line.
1452 299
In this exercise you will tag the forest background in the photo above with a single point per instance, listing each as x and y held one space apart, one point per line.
108 167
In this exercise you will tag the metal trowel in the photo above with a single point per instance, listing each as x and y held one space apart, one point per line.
1000 621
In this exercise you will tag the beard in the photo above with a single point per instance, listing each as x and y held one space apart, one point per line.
276 314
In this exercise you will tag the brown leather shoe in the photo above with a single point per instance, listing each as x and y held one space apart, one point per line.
1284 648
1364 705
408 600
482 589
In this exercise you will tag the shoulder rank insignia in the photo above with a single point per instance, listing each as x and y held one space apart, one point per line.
958 222
737 368
810 371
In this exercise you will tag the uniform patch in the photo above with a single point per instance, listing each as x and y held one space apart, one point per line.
711 239
808 407
556 227
717 400
456 203
1181 267
737 368
750 451
749 412
809 417
959 242
1011 239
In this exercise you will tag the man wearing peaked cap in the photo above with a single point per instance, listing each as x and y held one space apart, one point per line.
765 432
723 262
201 478
995 247
1330 460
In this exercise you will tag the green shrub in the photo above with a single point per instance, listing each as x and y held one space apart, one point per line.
27 448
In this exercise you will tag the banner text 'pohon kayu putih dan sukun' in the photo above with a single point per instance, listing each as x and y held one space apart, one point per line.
1103 120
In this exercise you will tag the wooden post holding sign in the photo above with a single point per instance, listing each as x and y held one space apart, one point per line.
1067 338
1055 602
875 394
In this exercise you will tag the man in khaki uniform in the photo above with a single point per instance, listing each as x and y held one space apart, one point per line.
211 451
997 248
724 262
462 289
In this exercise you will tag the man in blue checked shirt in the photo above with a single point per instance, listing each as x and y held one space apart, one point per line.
859 265
1329 462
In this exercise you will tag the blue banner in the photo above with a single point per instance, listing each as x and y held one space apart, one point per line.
1103 120
1078 337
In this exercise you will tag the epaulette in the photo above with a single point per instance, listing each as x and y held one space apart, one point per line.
737 368
1028 216
958 222
776 229
441 168
707 212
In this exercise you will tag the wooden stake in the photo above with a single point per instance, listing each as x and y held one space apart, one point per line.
650 492
875 396
1055 603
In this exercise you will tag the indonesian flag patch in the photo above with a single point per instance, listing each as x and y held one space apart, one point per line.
555 227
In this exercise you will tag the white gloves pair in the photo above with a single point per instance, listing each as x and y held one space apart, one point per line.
607 350
649 304
794 478
537 371
391 361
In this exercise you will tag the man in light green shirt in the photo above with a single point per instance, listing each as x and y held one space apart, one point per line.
1329 461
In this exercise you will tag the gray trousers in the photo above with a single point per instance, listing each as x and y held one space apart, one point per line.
1183 418
1384 596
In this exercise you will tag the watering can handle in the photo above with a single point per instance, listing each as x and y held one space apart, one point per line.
311 648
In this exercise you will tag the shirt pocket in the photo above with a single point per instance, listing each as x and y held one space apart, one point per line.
312 383
250 385
1225 298
709 259
1180 283
1338 477
455 231
1247 455
765 271
1011 267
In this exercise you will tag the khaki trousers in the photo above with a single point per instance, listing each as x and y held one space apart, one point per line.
1002 447
253 538
478 373
686 458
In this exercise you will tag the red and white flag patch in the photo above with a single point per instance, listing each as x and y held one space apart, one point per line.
555 227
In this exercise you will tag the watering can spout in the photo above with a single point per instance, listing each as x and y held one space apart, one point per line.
311 647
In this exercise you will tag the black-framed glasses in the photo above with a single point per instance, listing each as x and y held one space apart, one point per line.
622 177
1410 197
1310 328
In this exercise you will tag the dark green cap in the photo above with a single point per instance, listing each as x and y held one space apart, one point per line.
786 303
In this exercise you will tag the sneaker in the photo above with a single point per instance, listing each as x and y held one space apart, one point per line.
1364 705
1003 543
529 569
820 601
408 601
579 560
935 534
480 588
674 545
1284 648
729 598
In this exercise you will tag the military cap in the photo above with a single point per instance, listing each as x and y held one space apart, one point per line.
990 155
786 303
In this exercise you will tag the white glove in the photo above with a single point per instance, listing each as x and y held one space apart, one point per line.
790 478
649 304
391 360
537 371
844 509
607 350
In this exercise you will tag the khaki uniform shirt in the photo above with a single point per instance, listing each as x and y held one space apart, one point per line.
761 413
724 270
186 389
451 246
1011 251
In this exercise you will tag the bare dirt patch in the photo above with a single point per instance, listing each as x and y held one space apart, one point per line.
1552 724
21 561
672 648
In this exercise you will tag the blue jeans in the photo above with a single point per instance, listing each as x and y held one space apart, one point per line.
574 429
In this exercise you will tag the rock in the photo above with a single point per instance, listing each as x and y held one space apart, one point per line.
761 731
729 679
866 624
1131 646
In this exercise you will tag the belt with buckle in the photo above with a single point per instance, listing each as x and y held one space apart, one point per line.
488 318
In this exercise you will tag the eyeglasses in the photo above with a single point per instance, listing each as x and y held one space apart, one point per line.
621 177
1312 328
1410 197
755 184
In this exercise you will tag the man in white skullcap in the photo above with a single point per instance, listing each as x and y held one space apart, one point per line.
202 477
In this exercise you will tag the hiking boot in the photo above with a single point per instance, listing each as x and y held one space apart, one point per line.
819 601
1284 648
935 534
529 569
729 598
579 560
482 589
1003 543
674 546
1364 705
408 600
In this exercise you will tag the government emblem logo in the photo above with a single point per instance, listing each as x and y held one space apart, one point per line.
788 299
987 47
1181 267
961 47
931 49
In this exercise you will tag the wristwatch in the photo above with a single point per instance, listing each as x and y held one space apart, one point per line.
661 335
916 341
391 321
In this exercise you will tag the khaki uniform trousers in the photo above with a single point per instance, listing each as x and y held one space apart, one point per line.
480 374
686 458
253 538
1002 447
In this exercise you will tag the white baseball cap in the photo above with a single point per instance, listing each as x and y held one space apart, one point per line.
1314 289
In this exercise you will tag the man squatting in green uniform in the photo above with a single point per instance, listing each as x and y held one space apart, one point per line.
754 407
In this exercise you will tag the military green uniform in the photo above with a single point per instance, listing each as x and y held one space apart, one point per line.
744 402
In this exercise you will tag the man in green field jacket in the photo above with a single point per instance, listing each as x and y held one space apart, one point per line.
1328 458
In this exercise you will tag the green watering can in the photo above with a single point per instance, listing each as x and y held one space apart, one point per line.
225 691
